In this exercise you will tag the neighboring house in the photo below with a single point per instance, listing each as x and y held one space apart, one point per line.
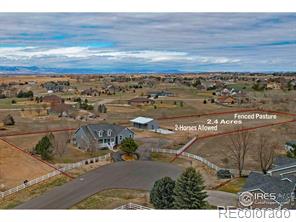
283 166
159 94
145 123
279 192
52 99
141 101
55 86
225 100
100 136
289 145
90 92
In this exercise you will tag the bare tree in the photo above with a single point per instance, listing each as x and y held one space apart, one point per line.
266 151
59 142
238 146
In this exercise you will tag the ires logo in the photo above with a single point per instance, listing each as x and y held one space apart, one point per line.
247 198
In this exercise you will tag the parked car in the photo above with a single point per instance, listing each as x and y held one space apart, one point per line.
224 174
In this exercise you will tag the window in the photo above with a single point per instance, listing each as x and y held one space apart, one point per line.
109 132
120 137
100 133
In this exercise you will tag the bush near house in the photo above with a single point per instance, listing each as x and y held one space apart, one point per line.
129 146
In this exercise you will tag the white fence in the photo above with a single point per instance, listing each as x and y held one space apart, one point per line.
188 155
201 159
132 206
54 173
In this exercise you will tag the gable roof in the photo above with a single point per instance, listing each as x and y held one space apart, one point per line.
141 120
284 187
92 130
282 161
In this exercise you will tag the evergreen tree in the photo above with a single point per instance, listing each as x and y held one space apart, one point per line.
161 195
44 148
189 191
292 153
129 146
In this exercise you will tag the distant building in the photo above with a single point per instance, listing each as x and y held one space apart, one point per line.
226 100
156 94
141 101
52 99
145 123
90 92
100 136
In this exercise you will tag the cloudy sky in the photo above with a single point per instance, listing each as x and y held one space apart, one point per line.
130 42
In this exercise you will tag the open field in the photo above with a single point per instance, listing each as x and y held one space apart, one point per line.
15 166
27 78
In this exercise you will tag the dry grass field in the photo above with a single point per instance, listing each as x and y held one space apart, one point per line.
27 78
15 166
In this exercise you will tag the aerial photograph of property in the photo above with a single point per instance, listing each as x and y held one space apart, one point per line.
142 111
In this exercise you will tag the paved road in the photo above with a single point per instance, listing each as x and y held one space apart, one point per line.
130 175
219 198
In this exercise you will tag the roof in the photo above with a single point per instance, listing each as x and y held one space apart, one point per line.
92 130
271 184
52 98
283 162
141 120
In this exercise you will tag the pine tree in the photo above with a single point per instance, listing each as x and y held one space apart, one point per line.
161 195
44 148
189 191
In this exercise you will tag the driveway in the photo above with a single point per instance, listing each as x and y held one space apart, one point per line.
220 198
127 175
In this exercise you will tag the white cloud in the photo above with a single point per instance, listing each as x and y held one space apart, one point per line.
26 53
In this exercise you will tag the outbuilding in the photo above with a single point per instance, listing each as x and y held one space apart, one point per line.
145 123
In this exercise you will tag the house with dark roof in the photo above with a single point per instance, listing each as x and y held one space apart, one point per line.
269 191
100 136
162 93
283 166
280 181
